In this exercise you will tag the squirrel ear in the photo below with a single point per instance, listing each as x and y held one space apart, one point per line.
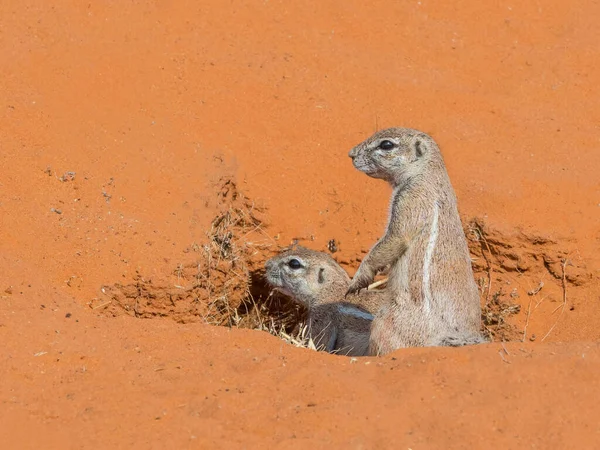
321 275
418 149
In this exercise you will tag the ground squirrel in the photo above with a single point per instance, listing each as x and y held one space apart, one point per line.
315 280
434 298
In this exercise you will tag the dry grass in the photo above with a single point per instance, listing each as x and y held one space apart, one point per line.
299 338
495 313
231 271
495 310
234 276
477 230
221 284
564 298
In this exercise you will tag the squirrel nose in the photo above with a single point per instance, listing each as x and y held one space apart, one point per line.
352 153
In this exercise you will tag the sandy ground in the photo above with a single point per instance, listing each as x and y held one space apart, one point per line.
150 104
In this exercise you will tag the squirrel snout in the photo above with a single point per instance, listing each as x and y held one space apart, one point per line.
269 265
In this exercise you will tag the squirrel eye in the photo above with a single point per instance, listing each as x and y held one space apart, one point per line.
386 145
294 264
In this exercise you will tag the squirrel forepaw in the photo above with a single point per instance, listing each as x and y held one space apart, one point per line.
352 290
359 282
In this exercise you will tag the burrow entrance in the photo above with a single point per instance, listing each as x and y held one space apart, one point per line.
222 284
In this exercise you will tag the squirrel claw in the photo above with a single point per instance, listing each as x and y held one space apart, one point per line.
354 289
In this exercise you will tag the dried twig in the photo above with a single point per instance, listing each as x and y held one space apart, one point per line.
527 320
537 289
564 303
505 352
101 305
258 314
503 358
481 237
301 339
531 293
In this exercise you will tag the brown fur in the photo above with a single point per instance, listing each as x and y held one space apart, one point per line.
319 283
435 298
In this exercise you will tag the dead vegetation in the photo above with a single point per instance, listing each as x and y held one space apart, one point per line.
521 265
495 310
495 314
298 338
222 284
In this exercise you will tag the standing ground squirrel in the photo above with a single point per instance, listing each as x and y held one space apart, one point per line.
315 280
435 300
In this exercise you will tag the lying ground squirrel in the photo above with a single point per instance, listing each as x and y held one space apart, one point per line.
434 298
315 280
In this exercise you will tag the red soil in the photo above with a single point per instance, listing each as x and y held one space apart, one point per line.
151 104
